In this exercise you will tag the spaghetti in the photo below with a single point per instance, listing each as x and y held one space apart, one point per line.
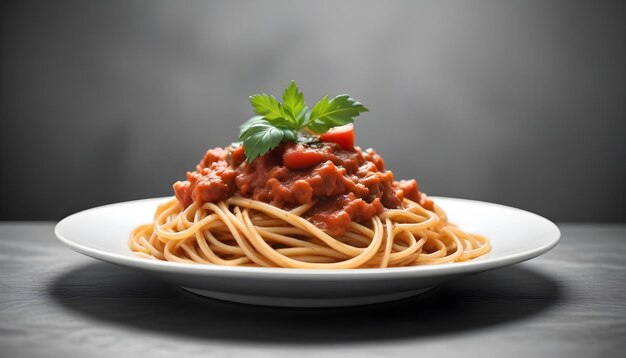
246 232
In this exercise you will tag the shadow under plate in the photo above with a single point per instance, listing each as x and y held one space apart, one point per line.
130 298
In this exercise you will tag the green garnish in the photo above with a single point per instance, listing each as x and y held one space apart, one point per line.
288 121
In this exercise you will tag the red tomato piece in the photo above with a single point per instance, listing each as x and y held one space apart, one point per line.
300 158
343 136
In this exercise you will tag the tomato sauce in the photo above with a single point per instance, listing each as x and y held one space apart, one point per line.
346 184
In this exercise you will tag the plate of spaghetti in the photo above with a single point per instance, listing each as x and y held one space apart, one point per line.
295 214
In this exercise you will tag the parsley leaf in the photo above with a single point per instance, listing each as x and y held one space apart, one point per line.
291 120
339 111
269 107
293 104
246 125
259 136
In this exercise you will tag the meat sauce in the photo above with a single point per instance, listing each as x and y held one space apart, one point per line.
345 184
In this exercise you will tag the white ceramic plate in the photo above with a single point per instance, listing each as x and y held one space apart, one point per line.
516 235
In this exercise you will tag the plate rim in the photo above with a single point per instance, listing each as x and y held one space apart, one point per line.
471 266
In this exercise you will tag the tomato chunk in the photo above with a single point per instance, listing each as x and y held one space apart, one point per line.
297 157
343 136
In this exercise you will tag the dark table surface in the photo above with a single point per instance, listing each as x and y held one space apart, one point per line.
567 303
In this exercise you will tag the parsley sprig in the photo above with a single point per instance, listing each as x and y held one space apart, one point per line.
277 122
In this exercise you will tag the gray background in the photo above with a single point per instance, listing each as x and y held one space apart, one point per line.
520 103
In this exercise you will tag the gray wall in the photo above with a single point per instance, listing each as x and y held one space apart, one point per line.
515 102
